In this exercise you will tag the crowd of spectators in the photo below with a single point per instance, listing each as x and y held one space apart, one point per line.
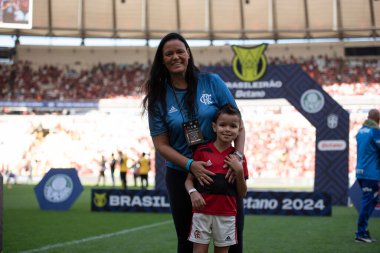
340 76
278 145
41 142
23 81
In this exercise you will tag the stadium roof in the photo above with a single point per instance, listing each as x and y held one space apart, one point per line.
205 19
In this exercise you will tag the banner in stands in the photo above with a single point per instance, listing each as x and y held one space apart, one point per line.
16 14
267 203
49 104
356 196
250 77
58 189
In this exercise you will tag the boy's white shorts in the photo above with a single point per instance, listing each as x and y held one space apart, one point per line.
222 229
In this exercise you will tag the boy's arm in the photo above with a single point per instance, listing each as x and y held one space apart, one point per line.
234 163
197 200
189 183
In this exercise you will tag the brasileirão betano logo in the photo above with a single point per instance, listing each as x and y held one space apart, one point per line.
100 199
249 63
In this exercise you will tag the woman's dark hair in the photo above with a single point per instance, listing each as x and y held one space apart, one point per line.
227 109
155 85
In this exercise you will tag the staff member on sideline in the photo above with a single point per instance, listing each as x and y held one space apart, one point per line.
144 170
123 168
368 171
181 103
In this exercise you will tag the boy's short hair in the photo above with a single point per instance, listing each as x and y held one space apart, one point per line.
227 109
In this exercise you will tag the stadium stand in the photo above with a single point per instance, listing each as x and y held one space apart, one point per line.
286 149
22 81
111 76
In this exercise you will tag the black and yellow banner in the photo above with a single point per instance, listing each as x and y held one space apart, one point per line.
268 203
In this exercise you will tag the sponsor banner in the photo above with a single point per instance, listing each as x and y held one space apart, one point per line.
156 201
258 89
288 203
332 145
250 77
58 189
268 203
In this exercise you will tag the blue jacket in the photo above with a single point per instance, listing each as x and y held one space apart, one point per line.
368 151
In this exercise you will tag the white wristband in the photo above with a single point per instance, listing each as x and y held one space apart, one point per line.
192 190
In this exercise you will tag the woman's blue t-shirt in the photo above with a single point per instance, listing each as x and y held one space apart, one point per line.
212 94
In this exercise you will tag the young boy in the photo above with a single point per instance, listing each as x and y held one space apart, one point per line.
214 206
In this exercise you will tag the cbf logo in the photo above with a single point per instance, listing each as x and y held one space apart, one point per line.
332 121
58 188
249 64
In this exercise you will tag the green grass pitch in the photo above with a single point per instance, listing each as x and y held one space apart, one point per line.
29 229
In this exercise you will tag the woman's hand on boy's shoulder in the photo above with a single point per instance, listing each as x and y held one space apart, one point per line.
203 175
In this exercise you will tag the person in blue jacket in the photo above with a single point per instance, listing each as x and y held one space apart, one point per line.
181 103
368 172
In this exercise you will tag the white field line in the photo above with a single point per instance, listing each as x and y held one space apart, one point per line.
88 239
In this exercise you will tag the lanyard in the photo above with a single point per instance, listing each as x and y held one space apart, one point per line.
191 128
178 103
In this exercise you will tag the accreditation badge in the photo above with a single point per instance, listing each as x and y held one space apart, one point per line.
193 133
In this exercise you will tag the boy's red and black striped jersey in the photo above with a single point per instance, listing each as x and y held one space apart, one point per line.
220 196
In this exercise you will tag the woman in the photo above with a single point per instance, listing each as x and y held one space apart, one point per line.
181 103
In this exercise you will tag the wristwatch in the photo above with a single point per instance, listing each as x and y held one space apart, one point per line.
238 154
